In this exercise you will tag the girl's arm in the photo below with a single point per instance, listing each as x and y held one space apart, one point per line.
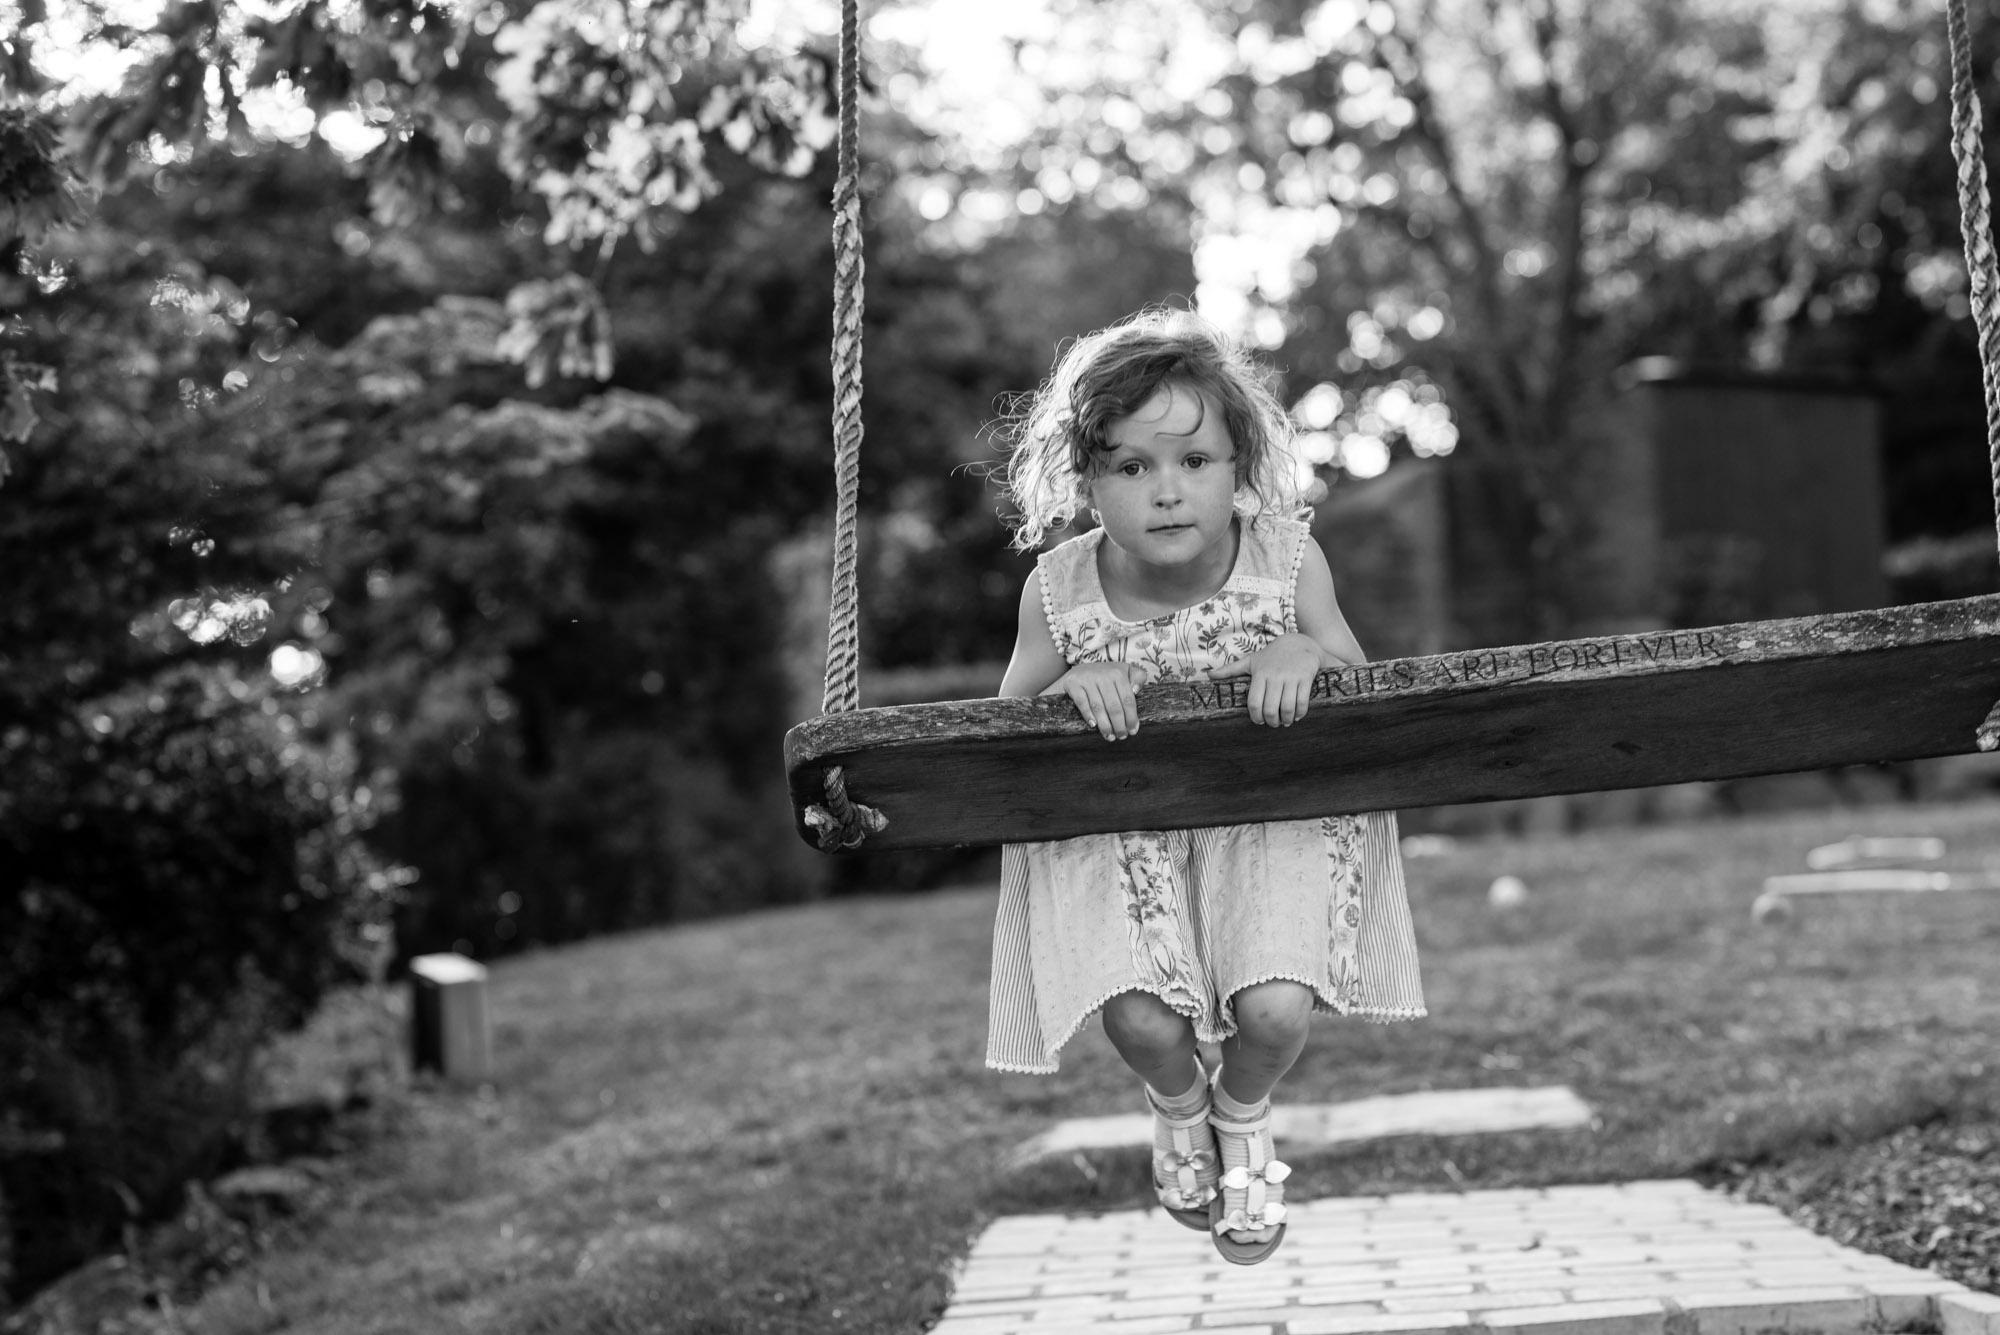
1282 672
1037 663
1102 692
1319 612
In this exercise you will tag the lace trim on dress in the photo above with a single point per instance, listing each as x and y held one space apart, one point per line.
1042 573
1015 1068
1387 1014
1323 1004
1291 595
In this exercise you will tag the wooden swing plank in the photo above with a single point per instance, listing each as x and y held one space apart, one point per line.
1615 711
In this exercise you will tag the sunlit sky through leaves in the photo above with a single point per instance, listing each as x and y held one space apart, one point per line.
987 103
80 68
977 94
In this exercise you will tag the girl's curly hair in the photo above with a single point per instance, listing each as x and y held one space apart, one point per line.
1057 440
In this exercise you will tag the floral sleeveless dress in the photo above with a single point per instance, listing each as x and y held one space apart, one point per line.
1194 916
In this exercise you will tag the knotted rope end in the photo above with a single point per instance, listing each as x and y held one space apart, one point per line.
1987 735
842 823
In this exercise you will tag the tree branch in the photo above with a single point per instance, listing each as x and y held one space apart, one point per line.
1565 234
1430 133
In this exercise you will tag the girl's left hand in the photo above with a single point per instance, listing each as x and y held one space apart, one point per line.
1281 678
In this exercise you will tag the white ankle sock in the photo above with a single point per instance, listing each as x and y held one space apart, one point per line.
1234 1111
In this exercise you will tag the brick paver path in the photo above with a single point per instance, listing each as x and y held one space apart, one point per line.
1641 1258
1438 1112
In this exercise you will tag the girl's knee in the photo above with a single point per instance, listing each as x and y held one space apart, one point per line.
1273 1014
1142 1020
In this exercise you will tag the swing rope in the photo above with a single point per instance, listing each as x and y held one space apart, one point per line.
1976 224
842 823
1982 271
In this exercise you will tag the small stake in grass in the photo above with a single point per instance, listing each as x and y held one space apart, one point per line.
449 1029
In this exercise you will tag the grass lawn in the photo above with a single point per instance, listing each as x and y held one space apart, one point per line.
781 1122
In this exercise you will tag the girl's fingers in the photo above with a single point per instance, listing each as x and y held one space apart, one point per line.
1086 705
1278 704
1113 714
1112 709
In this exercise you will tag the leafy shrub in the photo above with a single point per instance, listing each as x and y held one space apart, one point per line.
545 618
179 879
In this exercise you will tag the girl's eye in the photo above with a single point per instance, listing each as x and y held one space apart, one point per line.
1131 468
1194 463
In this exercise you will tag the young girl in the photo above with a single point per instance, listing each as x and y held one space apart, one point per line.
1166 435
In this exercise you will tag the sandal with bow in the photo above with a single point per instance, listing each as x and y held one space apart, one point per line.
1185 1176
1252 1195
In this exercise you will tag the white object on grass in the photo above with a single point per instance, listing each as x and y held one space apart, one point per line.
1855 848
1441 1112
1507 892
1878 880
1774 905
1771 910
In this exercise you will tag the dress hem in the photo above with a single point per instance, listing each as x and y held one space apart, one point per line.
1322 1005
1385 1014
1016 1068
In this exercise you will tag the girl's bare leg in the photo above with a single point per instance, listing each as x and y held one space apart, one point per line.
1155 1040
1271 1024
1158 1043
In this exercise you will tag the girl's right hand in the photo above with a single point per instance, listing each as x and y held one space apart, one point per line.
1105 694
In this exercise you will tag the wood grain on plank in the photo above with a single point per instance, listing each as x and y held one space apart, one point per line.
1618 711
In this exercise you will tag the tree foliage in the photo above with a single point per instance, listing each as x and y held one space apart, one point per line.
1454 218
181 870
214 514
607 116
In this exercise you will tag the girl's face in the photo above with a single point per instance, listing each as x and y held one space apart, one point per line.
1167 493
